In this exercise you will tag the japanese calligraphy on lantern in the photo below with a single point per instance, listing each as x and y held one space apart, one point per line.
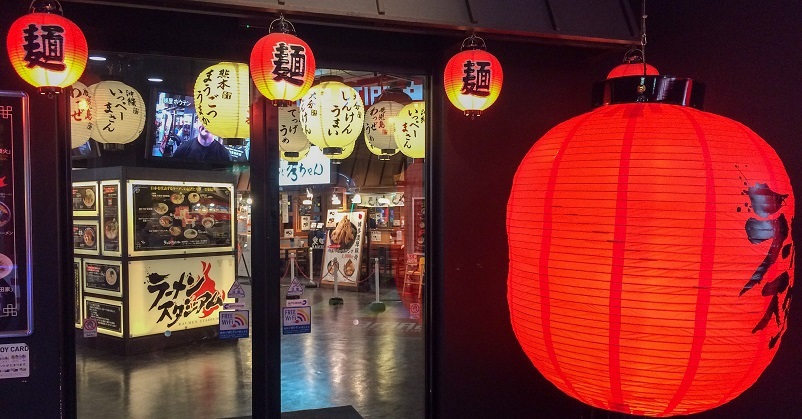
314 169
410 130
291 136
282 66
472 80
119 112
332 115
81 114
168 217
476 78
380 127
15 253
343 251
178 294
222 100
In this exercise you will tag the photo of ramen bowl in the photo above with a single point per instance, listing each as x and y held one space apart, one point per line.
111 276
190 233
89 197
111 229
177 198
207 222
202 209
175 230
89 236
165 221
6 266
5 214
161 208
193 197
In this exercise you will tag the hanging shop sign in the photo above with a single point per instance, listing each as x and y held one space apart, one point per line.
110 217
179 217
343 251
651 255
473 77
314 169
178 294
15 230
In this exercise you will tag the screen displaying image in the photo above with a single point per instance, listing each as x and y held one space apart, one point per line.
178 134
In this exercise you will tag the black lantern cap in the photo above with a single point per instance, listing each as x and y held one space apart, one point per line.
649 89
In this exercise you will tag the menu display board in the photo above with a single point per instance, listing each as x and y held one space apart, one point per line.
84 199
419 224
103 277
178 294
108 313
344 248
84 237
15 253
77 275
179 217
110 217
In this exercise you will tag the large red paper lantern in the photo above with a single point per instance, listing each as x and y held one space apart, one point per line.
282 65
47 50
472 78
650 252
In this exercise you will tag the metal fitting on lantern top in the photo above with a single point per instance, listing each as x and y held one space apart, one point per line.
649 89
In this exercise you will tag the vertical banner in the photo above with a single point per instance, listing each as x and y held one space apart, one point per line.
110 217
177 294
344 247
15 252
77 275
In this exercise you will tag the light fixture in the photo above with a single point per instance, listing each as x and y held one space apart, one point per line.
222 99
332 115
356 199
81 114
472 78
98 58
380 122
47 50
651 261
155 79
410 130
119 113
309 196
282 65
335 200
383 201
249 201
292 140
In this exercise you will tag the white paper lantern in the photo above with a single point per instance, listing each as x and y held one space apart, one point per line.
222 99
291 137
410 130
119 112
332 115
81 114
346 152
380 122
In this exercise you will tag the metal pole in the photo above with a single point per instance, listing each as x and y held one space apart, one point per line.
311 268
377 305
292 265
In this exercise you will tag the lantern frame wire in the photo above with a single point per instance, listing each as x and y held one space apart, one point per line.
284 26
473 42
46 6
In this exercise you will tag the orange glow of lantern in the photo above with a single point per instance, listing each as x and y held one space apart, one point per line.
473 77
380 122
332 115
223 101
120 112
47 50
82 113
291 136
410 130
282 65
650 252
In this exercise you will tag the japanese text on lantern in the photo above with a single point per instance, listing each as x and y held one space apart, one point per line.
345 112
81 111
289 129
476 81
123 102
44 47
214 86
289 63
412 125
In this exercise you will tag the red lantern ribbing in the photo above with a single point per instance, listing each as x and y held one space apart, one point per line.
650 252
473 77
282 65
47 50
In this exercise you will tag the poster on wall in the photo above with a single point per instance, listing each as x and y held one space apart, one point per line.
77 275
15 251
107 313
84 199
103 277
177 294
343 250
110 217
179 217
84 237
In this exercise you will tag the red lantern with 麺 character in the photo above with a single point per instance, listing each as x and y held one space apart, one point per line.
282 65
47 50
472 78
651 262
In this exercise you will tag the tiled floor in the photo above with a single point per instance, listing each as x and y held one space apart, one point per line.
374 362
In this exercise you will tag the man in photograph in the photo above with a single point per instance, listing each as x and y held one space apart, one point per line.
205 147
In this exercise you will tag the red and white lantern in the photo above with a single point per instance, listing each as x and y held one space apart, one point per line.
473 78
282 65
